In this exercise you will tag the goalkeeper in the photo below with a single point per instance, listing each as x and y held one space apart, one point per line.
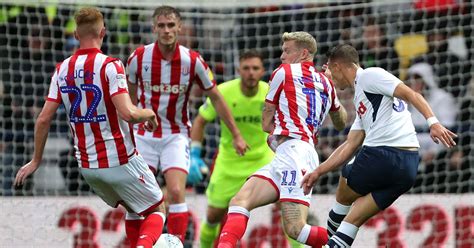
245 97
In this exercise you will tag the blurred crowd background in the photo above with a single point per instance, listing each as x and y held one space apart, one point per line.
428 44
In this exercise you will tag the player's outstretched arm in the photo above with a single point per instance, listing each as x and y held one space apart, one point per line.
130 113
437 131
224 113
339 118
41 135
339 157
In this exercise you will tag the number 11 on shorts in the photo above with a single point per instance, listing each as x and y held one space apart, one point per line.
292 181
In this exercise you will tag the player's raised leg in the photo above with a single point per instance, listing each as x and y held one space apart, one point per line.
256 192
294 217
364 208
133 222
345 196
151 227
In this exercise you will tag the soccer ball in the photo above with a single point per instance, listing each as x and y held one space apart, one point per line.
168 241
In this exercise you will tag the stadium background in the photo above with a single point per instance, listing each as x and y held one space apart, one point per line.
394 35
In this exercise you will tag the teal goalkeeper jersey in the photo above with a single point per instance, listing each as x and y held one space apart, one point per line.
247 113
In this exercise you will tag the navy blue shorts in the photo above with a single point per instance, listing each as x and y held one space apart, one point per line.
386 172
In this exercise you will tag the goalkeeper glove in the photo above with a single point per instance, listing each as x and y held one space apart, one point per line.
198 167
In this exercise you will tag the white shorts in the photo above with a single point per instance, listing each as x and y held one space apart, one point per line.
293 159
133 184
169 152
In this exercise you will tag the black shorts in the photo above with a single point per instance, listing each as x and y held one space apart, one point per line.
386 172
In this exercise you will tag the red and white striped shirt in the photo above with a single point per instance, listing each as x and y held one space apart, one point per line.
164 86
85 83
303 97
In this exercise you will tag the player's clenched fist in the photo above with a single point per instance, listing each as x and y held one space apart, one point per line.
151 124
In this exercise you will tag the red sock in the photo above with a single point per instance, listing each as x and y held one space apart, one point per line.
132 229
224 219
233 230
177 224
318 236
150 230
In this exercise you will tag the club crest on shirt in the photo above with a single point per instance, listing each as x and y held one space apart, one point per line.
185 71
400 106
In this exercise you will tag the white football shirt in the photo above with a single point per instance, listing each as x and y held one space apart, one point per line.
384 118
85 83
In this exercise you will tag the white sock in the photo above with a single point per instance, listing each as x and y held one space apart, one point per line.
304 234
348 229
340 209
239 210
178 208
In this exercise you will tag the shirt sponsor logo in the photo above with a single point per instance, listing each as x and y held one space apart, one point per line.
248 119
165 88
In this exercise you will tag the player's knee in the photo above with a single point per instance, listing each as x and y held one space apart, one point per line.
160 208
293 228
345 195
343 199
175 193
239 201
212 219
214 216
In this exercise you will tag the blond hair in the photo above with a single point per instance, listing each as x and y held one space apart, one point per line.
302 40
89 22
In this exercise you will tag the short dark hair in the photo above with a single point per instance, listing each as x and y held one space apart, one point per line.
344 53
166 10
248 54
89 21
